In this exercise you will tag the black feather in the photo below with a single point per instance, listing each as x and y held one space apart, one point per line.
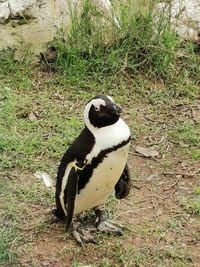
71 189
123 186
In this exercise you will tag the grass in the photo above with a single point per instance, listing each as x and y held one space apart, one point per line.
8 224
142 66
144 44
192 204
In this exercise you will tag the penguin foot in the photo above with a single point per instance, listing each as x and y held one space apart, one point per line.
105 225
110 227
81 235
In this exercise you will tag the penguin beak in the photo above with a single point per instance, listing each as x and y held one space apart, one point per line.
118 109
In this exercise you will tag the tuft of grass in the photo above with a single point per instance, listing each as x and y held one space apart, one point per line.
13 71
192 204
185 134
33 194
8 225
144 43
197 191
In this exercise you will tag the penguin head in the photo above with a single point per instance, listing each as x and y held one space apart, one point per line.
101 111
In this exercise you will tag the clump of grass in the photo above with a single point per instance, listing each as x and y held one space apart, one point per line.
143 44
192 205
8 224
13 71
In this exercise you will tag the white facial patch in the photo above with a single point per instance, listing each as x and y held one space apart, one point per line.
96 103
111 99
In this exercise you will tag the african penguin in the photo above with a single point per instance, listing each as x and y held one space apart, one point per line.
94 165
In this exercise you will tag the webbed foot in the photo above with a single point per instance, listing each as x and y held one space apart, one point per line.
105 225
81 235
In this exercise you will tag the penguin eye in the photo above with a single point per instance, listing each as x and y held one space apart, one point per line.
97 108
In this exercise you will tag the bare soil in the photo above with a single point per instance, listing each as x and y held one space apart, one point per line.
154 203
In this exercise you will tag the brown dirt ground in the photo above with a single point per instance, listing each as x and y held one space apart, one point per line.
146 212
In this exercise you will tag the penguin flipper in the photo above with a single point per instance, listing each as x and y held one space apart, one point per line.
123 186
72 186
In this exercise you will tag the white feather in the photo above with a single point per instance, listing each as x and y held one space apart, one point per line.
107 137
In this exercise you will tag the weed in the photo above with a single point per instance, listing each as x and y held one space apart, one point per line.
192 205
197 191
13 71
144 43
34 194
8 226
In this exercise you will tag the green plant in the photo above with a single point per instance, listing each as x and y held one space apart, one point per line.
192 205
144 43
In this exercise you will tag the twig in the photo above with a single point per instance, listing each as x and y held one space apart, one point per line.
152 198
157 160
171 186
163 198
169 195
182 173
137 187
133 211
153 120
141 156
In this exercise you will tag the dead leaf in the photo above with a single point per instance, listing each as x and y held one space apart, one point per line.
146 152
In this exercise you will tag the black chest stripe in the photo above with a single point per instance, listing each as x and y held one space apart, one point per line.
86 173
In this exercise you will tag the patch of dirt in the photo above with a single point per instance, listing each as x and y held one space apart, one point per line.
152 212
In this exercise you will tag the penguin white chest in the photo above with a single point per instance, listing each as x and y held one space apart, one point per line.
103 180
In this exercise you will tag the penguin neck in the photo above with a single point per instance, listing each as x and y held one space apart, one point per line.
111 135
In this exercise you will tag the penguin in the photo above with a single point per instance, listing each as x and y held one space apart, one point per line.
93 166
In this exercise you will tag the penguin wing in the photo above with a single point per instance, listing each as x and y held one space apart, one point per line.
72 186
123 186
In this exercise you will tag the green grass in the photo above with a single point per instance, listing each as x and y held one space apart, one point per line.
144 44
8 224
192 205
24 140
17 198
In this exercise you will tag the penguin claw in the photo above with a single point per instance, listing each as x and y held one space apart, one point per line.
82 236
105 225
110 227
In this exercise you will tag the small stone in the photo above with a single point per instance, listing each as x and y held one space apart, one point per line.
4 11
